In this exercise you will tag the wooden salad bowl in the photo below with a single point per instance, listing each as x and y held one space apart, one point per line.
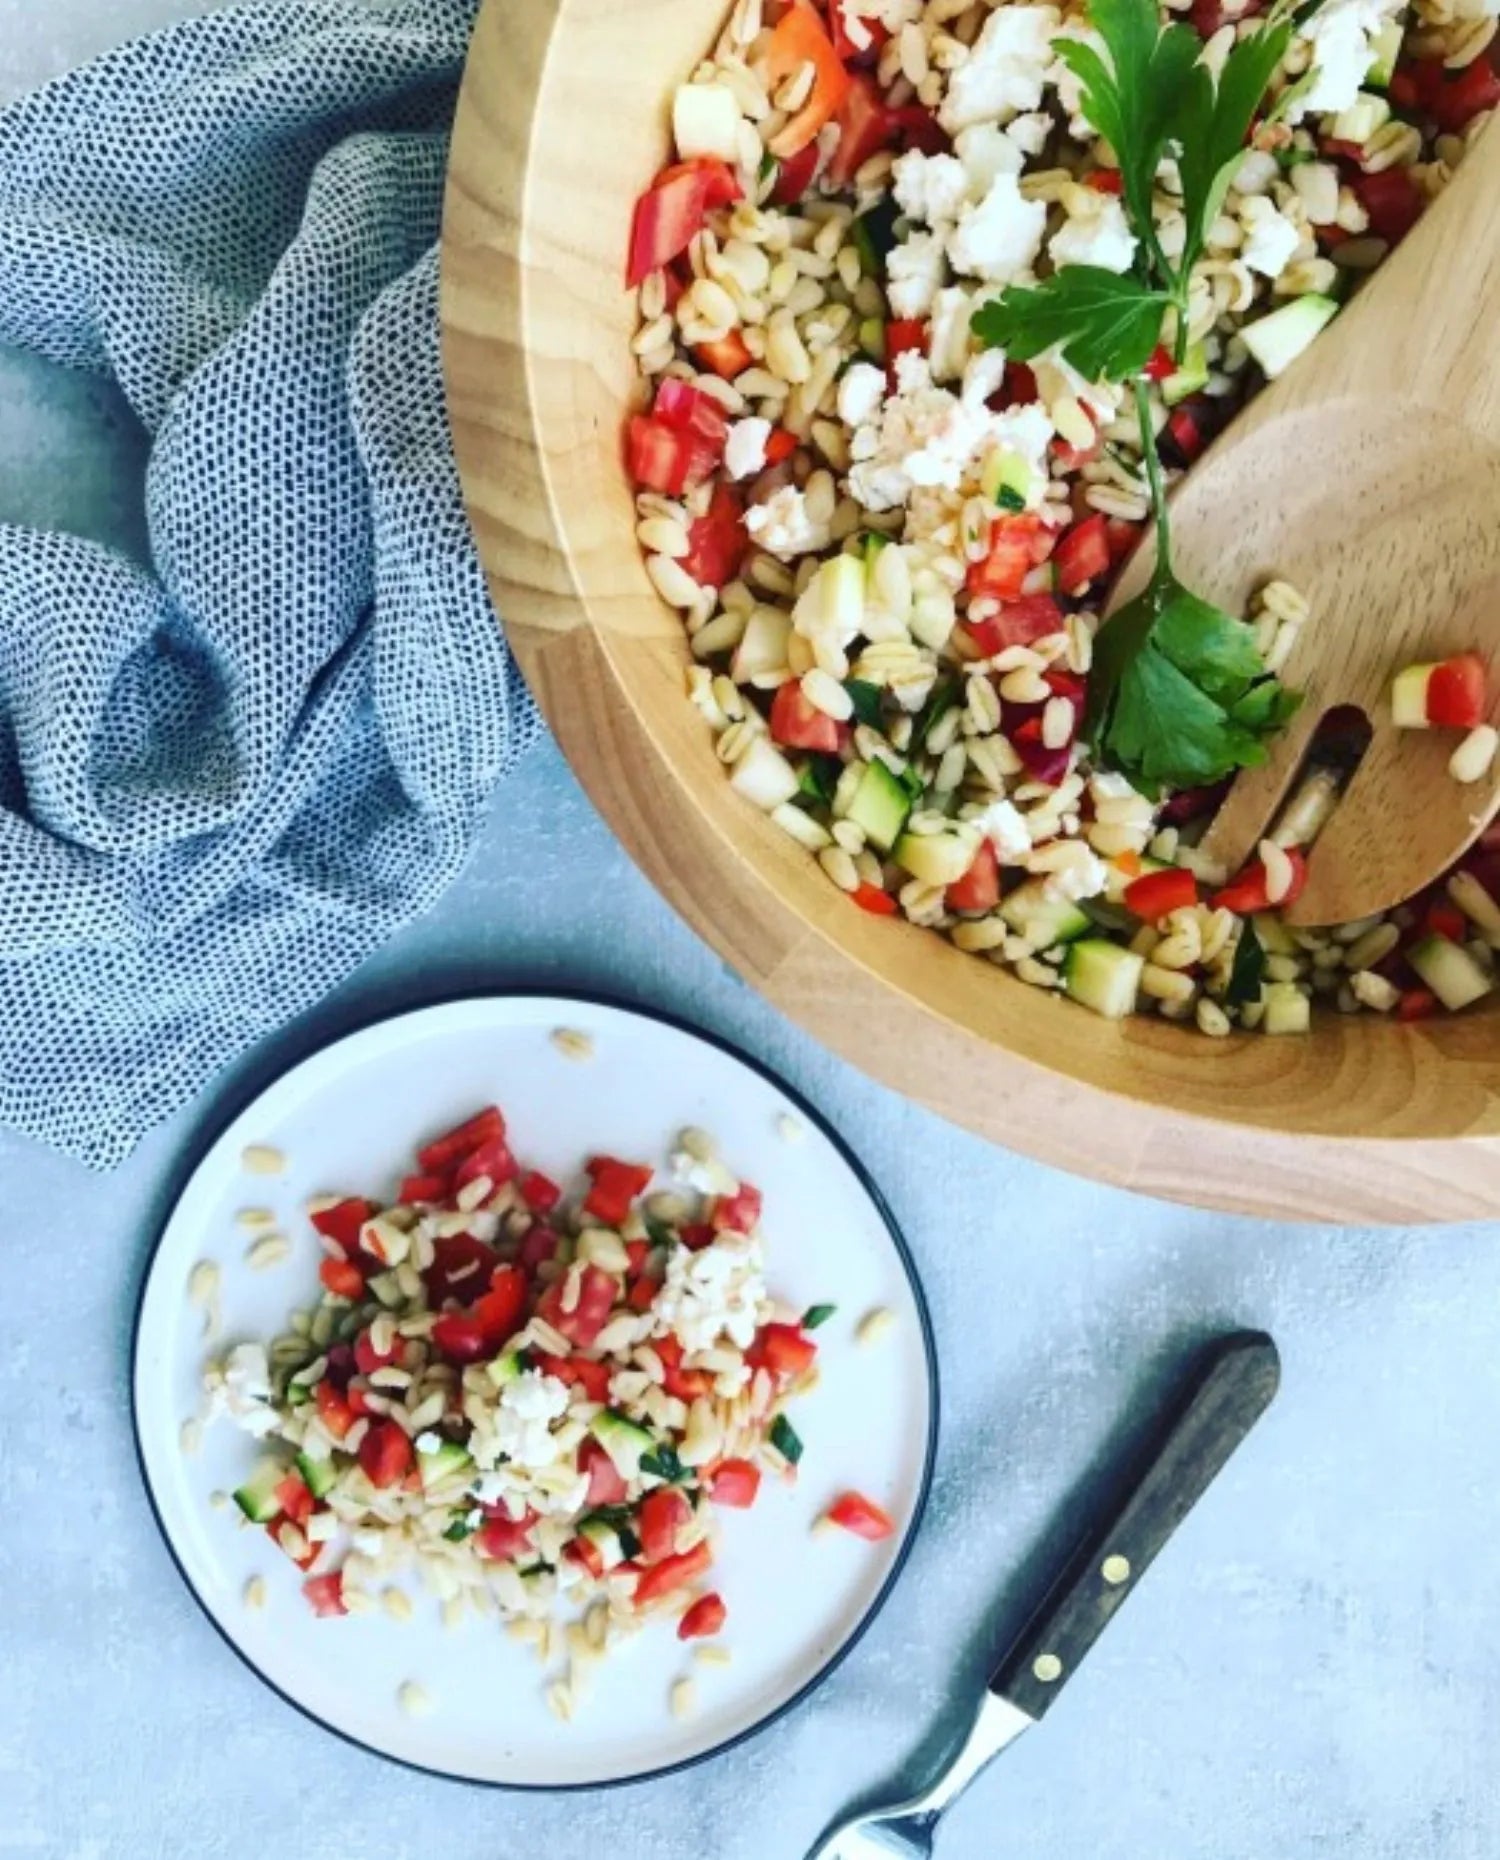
563 120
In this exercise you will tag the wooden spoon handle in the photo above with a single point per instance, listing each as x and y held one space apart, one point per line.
1230 1391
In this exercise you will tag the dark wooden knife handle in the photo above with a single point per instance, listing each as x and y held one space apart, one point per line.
1231 1388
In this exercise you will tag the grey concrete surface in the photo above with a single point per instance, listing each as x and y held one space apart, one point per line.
1310 1670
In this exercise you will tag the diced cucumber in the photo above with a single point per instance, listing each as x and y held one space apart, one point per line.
1409 697
445 1461
1104 977
622 1440
605 1540
763 644
1009 480
1188 380
1288 1010
763 775
880 806
1275 938
706 121
1278 339
505 1368
1448 970
833 602
1363 117
1386 45
317 1475
1043 920
937 858
257 1496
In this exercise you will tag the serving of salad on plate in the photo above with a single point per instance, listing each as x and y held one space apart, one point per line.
937 297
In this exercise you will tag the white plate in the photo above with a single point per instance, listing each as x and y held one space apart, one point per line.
348 1119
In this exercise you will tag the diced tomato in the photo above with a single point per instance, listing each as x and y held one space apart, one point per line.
354 1395
785 1351
781 445
642 1295
1444 918
499 1312
581 1550
342 1222
658 457
591 1377
1455 101
1073 458
461 1268
1002 572
615 1185
1041 763
1082 557
671 212
706 1617
872 899
637 1252
913 126
1018 623
680 443
734 1483
736 1213
308 1557
673 1572
799 724
1111 181
685 1384
443 1152
460 1337
597 1291
540 1193
1456 693
854 1512
325 1595
727 357
663 1513
385 1454
368 1359
1184 429
795 176
904 336
799 39
1416 1004
864 129
1161 364
342 1279
501 1536
606 1487
1246 894
693 411
717 540
420 1188
333 1410
1393 201
538 1246
294 1498
1157 894
979 888
1122 538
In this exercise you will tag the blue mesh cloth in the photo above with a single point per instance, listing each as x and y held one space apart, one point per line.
226 779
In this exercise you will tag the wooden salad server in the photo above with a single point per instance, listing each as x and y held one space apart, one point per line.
1368 476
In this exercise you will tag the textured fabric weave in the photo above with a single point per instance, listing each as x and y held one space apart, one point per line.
225 780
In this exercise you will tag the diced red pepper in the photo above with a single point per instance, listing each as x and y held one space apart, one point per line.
1082 557
439 1156
658 457
844 45
717 541
581 1550
799 39
460 1337
1184 429
864 129
385 1454
685 1384
795 176
1455 101
501 1536
1158 894
1002 572
664 1511
1416 1004
979 888
423 1188
1444 918
781 445
726 357
1111 181
294 1498
325 1595
1456 697
492 1160
736 1213
673 1572
606 1487
690 409
500 1311
696 1235
854 1512
705 1618
368 1359
642 1295
342 1222
671 213
1393 201
1019 388
1123 539
1161 365
333 1410
308 1557
597 1291
904 336
785 1351
354 1395
615 1185
637 1252
1018 623
540 1193
342 1279
1041 763
872 899
461 1268
734 1483
798 724
1246 894
580 1371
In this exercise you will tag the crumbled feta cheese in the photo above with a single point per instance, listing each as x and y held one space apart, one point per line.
428 1442
1069 84
243 1394
985 151
951 337
861 390
528 1406
923 436
984 375
914 274
782 526
1005 71
999 239
1271 237
1256 172
1057 379
745 447
930 187
1083 876
716 1292
367 1541
1029 133
1100 235
1109 785
1004 826
1340 34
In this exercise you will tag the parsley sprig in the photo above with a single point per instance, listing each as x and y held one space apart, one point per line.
1179 694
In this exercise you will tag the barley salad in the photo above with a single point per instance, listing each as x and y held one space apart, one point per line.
540 1404
936 299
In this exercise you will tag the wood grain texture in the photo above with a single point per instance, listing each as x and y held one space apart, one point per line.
1229 1391
562 121
1369 477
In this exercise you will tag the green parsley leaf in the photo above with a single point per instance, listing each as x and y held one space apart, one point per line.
818 778
663 1462
944 697
459 1529
866 700
1106 325
661 1234
786 1440
1248 970
815 1315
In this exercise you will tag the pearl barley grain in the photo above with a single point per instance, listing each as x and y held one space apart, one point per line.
1475 755
262 1159
572 1044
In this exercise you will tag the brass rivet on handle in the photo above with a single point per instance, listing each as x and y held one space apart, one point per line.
1115 1569
1047 1667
